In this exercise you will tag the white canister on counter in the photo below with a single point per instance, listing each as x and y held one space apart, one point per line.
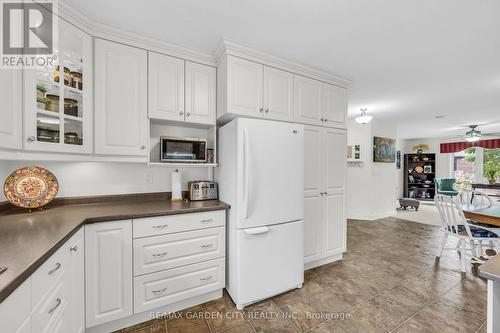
176 186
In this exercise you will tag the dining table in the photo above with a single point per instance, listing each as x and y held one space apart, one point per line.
490 270
488 215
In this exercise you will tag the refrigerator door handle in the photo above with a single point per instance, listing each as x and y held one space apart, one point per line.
247 176
257 231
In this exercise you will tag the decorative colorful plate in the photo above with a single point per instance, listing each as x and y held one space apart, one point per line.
31 187
419 169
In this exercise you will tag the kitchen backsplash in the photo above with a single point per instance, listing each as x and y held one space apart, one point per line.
92 178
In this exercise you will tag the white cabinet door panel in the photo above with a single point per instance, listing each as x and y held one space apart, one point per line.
312 227
11 112
244 87
334 225
335 106
313 159
200 93
121 123
278 94
166 87
76 247
108 271
335 142
307 100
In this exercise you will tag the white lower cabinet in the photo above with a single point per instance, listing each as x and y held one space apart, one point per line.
108 271
173 285
133 266
51 300
324 195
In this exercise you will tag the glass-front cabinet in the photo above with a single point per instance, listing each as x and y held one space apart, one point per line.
58 98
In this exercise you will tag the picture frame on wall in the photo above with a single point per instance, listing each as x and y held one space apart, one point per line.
384 150
354 152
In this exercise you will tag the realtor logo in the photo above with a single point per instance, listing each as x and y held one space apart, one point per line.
28 33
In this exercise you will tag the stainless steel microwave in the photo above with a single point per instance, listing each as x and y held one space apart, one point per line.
174 149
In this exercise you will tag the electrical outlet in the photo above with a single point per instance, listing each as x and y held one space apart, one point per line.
148 178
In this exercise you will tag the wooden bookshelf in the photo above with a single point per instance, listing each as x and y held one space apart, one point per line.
419 185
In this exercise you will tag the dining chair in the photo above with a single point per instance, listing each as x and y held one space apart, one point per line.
455 224
475 199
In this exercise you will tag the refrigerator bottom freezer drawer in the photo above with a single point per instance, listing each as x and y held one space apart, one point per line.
270 261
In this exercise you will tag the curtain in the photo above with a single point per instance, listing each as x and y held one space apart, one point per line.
454 147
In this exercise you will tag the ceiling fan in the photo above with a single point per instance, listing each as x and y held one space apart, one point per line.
474 134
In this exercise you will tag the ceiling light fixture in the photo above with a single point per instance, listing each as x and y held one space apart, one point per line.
473 135
364 118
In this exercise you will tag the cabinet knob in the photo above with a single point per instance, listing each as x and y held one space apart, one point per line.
74 248
322 120
188 114
31 139
143 147
267 110
181 113
261 109
326 120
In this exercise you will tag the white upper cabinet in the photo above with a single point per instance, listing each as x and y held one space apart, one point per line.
334 106
307 100
121 123
250 89
278 94
200 93
166 87
11 116
58 99
318 103
244 87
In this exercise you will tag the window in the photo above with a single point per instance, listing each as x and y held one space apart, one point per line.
465 162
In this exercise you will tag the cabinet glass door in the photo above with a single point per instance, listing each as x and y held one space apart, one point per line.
58 97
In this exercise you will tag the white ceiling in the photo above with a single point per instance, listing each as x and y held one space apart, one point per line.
409 60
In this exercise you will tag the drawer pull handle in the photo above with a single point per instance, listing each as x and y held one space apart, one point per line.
205 246
58 302
206 278
74 248
58 265
160 254
159 227
160 291
206 220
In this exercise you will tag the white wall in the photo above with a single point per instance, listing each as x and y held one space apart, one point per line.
371 189
89 178
443 161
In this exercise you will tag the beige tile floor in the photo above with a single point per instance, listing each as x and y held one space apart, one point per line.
388 281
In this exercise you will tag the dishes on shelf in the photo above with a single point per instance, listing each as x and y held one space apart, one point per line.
31 187
52 103
419 169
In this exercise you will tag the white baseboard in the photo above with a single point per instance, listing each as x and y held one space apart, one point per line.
323 261
154 313
372 217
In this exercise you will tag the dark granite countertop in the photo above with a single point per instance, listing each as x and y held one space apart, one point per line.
27 240
491 269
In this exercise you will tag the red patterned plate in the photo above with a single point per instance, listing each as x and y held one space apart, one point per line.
31 187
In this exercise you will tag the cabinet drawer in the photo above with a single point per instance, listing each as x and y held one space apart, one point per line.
49 273
153 254
50 308
154 226
158 289
15 310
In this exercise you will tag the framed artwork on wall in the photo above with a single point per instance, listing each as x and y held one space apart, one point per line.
384 150
354 152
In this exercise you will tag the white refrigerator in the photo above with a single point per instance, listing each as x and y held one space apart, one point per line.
261 175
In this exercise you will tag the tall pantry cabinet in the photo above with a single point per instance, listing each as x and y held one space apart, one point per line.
324 194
